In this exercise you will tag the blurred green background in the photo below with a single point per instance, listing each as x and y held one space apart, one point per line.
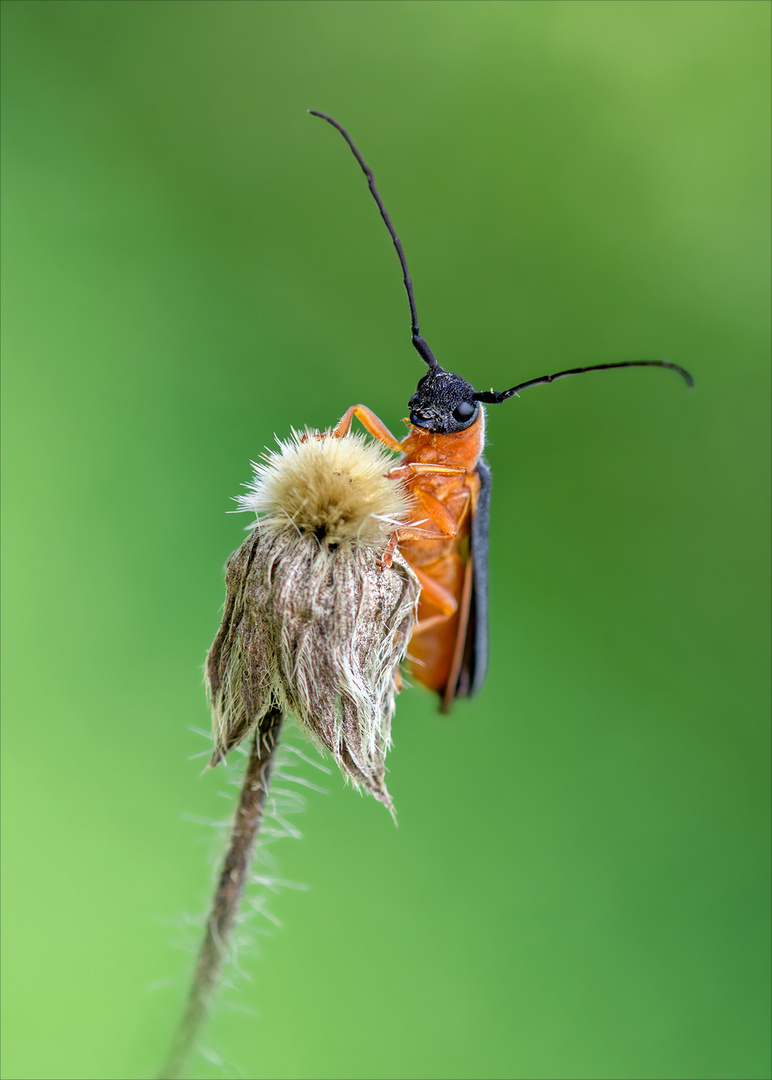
578 886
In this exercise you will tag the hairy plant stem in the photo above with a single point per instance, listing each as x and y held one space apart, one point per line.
227 897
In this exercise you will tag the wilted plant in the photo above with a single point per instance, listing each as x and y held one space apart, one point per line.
315 624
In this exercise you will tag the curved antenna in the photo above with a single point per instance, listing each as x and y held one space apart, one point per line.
419 343
495 397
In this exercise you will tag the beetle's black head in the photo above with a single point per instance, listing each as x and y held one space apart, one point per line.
443 402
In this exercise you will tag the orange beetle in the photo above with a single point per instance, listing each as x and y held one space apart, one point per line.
442 467
450 484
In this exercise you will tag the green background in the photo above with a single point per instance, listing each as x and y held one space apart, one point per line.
578 886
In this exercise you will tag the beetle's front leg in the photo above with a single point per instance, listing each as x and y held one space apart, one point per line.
370 422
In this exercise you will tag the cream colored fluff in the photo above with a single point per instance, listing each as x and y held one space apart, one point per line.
334 488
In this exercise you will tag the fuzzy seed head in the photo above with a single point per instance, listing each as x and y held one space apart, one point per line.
314 623
332 488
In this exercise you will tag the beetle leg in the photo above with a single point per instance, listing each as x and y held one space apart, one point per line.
406 472
388 555
370 422
437 595
438 513
428 624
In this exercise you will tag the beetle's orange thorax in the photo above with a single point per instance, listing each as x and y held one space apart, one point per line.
459 448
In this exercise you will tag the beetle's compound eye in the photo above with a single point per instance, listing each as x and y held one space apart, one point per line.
464 411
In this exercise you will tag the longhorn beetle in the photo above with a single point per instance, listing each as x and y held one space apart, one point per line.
442 468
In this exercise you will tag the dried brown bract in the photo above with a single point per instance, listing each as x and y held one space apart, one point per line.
314 624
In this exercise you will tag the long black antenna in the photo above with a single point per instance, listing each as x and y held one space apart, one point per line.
495 397
420 344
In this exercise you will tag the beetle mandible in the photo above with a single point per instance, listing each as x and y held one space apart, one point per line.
442 468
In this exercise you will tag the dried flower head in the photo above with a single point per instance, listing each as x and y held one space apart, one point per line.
314 624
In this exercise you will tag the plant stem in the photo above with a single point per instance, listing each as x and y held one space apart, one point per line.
227 897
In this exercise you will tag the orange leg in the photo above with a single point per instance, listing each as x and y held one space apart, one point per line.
421 468
429 624
447 525
370 422
436 512
437 595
